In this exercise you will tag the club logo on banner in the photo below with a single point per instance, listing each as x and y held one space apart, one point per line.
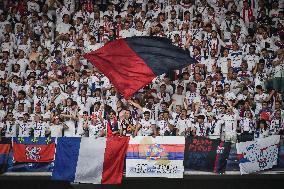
33 153
155 157
258 155
206 154
27 149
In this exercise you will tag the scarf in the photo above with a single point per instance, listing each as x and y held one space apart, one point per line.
250 15
111 128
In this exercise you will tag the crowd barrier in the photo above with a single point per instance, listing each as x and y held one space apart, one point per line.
232 163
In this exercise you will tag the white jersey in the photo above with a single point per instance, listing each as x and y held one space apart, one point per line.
182 125
164 126
70 132
25 129
276 125
39 129
230 123
200 129
214 129
247 125
146 127
9 128
95 129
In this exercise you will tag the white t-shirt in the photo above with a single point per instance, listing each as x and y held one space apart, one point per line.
146 127
56 130
182 125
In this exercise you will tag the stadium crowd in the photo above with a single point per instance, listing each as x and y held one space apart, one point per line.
235 91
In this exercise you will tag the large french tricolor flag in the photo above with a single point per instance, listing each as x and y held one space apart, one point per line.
132 63
90 160
155 157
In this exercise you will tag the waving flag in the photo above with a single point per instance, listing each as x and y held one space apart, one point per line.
28 149
5 145
258 155
155 157
90 160
132 63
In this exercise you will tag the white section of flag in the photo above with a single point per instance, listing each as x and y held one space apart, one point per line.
90 161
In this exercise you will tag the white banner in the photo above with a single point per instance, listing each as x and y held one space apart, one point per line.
155 157
258 155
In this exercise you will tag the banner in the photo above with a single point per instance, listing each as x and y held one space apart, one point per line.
258 155
29 149
206 154
155 157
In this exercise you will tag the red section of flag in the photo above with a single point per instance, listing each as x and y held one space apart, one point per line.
4 148
125 69
33 153
114 156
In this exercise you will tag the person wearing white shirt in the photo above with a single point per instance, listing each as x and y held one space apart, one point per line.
39 127
146 127
9 126
178 97
236 56
127 31
140 31
25 126
95 127
63 28
199 128
230 121
213 126
259 98
251 58
70 117
56 128
224 62
183 123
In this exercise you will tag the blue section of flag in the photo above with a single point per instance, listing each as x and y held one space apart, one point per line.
32 141
67 153
3 158
162 50
170 156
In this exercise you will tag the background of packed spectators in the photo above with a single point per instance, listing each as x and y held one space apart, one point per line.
235 91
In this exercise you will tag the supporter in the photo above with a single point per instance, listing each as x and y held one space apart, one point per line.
94 127
238 76
56 128
127 124
146 127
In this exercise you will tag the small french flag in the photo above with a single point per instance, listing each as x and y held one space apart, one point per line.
90 160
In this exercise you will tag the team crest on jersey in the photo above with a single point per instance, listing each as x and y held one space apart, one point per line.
33 153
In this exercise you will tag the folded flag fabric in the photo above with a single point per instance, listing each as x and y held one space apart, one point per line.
132 63
206 154
155 157
90 160
28 149
258 155
5 146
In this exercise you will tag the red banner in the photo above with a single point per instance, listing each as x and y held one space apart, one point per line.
37 151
